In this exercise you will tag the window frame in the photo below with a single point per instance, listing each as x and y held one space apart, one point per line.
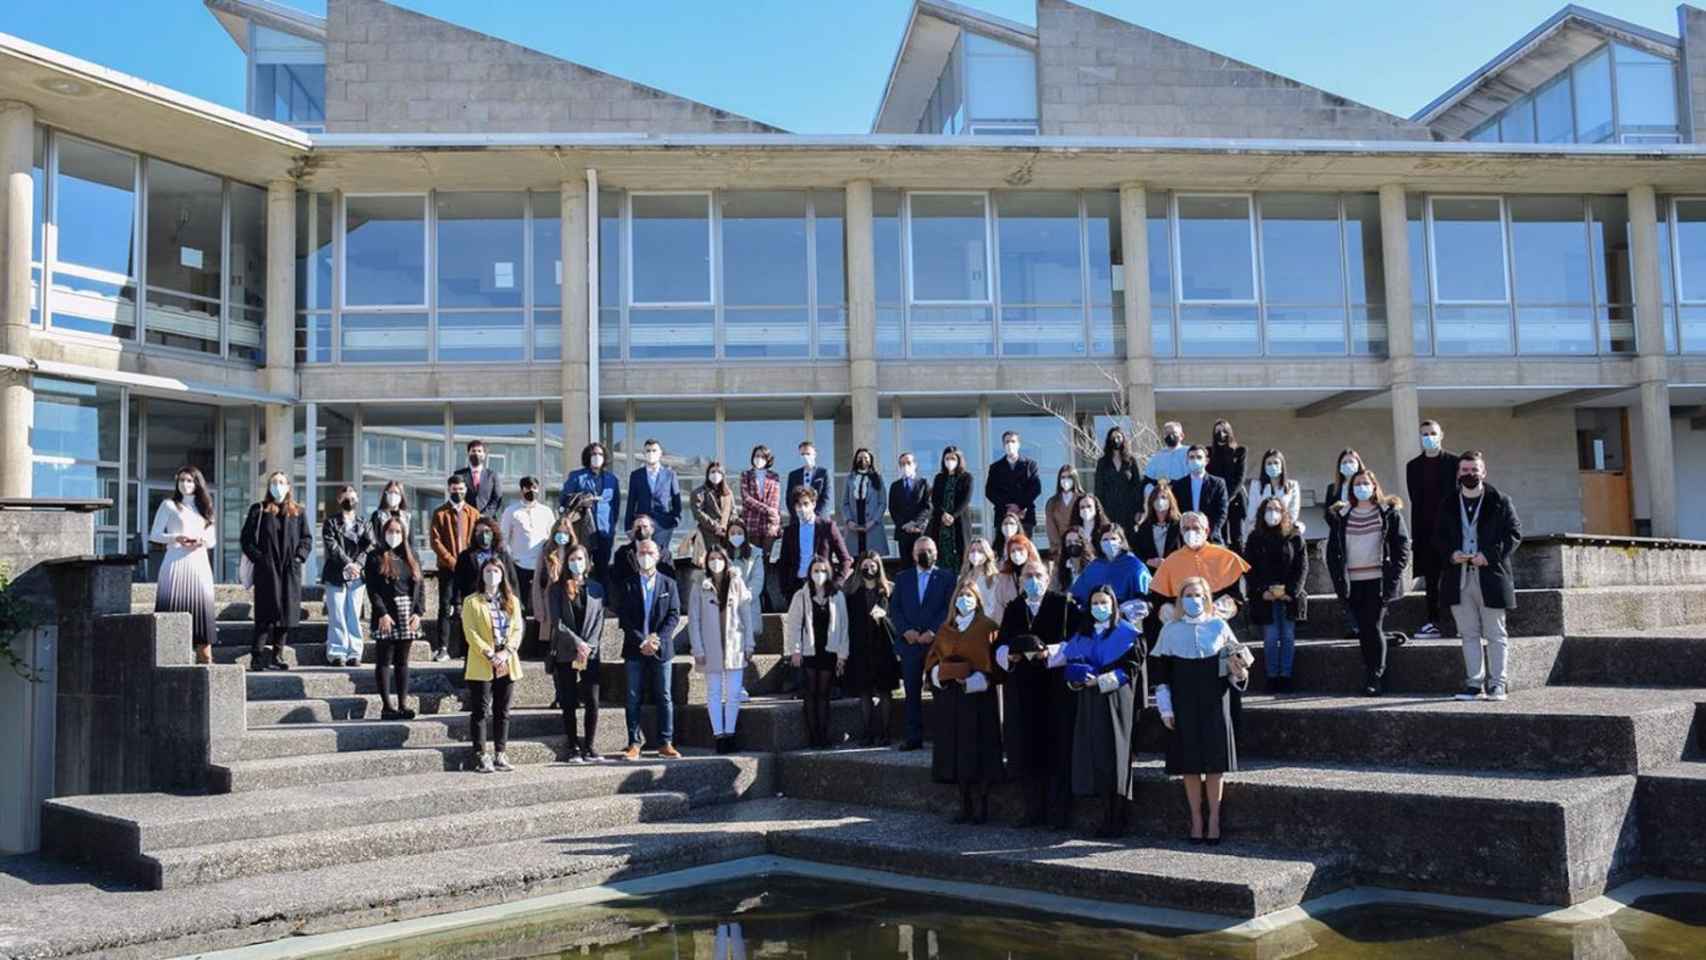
713 261
989 297
53 264
340 278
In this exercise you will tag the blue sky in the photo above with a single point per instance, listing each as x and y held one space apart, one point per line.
813 66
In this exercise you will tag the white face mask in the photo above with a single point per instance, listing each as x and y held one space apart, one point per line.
1009 530
1087 514
279 490
493 578
393 499
1195 538
1363 491
950 464
653 457
597 461
1198 465
1162 507
1067 483
577 566
1273 517
819 577
737 539
806 514
809 460
1012 448
186 487
909 470
1102 612
648 561
714 478
1018 557
758 463
393 540
715 566
1273 471
1194 605
976 558
1348 469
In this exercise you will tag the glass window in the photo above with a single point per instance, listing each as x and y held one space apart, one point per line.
313 338
1041 437
510 433
1216 253
246 271
1469 249
688 434
289 81
1001 80
94 288
405 442
485 336
1366 278
610 254
950 247
1421 313
547 276
1160 276
671 237
1550 261
1460 330
764 266
1486 133
1592 79
1301 255
185 225
1229 331
666 334
1646 89
1613 281
778 424
1516 125
179 434
1691 248
930 425
384 338
767 333
38 210
314 251
75 445
384 250
1106 256
480 249
886 263
1667 276
235 487
1553 120
951 332
1041 260
829 234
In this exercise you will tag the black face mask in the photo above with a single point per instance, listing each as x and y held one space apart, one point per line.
1220 436
346 504
642 535
1172 441
456 498
528 495
1075 549
1470 482
475 459
870 573
926 560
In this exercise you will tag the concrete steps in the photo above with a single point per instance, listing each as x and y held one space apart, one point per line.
1578 730
1334 666
1672 806
1542 611
1672 656
1540 839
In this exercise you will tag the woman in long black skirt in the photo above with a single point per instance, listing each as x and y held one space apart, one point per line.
959 664
1102 666
1197 663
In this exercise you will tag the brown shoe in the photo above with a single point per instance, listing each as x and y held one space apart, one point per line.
204 653
632 753
668 752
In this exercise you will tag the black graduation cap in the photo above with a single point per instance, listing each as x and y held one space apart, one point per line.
1023 644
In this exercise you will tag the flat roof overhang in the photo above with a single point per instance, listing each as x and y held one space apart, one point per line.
92 101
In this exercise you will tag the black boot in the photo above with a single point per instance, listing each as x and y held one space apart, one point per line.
982 815
964 816
257 659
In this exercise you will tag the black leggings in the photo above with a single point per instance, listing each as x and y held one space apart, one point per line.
874 711
391 659
817 688
577 688
488 705
1368 606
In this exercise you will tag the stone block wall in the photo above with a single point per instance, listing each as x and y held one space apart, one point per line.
1691 27
390 70
1100 76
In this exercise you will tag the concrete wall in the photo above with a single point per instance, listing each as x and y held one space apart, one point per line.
1532 459
1100 76
1691 27
391 70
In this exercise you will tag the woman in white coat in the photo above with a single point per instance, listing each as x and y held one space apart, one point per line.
1272 481
184 526
721 641
814 636
748 563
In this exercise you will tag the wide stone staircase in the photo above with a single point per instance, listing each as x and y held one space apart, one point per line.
1591 774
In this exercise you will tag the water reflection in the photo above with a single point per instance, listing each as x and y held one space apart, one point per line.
783 917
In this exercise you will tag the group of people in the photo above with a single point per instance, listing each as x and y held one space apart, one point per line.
1148 570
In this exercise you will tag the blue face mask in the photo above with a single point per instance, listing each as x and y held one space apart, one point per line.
1348 469
1193 605
1198 466
1363 491
1101 612
1034 587
561 538
1273 470
965 605
1430 442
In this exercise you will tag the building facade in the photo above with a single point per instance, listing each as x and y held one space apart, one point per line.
418 235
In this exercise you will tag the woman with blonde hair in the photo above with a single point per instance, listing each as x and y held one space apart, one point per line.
982 569
277 542
493 628
720 641
1197 663
553 555
814 636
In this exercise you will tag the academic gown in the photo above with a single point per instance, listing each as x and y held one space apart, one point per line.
1102 722
1039 709
967 746
1187 661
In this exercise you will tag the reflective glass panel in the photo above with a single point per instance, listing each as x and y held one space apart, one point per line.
655 334
405 442
480 237
1472 330
764 248
671 239
1469 249
951 332
511 437
184 230
1041 261
1301 259
1691 247
1102 235
1215 261
384 250
1556 329
950 253
1646 89
1516 125
247 270
1592 79
384 338
96 195
547 278
1042 331
1219 332
829 234
483 336
765 333
1001 80
1553 120
1550 250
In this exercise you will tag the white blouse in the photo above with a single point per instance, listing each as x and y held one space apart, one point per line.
175 520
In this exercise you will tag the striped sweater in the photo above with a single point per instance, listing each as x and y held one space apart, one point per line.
1363 535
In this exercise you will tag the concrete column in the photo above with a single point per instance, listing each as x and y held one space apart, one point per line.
17 399
1651 367
1134 273
579 354
280 371
1400 330
861 315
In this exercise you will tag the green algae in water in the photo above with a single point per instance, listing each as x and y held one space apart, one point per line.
777 917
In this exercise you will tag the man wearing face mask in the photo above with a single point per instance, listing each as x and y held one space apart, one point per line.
625 566
809 474
1169 462
1430 479
1039 709
596 480
920 606
1013 486
1478 538
909 504
451 531
1223 569
650 612
1203 492
810 535
485 488
525 528
654 491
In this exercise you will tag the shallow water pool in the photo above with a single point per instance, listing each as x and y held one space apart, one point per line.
785 916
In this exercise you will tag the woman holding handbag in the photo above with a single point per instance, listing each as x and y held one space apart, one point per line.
873 669
720 641
491 621
575 613
395 597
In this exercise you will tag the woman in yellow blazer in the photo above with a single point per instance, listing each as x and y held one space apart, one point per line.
492 624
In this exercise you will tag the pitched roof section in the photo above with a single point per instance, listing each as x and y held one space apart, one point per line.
1101 76
236 15
929 37
397 71
1559 41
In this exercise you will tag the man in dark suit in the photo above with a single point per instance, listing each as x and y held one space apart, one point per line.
1430 479
809 536
909 505
809 474
485 488
917 609
1203 492
1013 485
650 613
653 491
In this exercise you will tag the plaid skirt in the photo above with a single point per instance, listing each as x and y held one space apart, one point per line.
400 626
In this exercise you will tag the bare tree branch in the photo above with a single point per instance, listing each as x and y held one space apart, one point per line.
1142 440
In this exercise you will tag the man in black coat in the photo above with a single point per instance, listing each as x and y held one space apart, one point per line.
809 474
1477 534
804 541
485 488
650 612
1037 725
909 505
1013 485
1430 479
1203 492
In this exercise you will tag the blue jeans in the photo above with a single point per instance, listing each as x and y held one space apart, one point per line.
1279 642
644 671
912 679
343 619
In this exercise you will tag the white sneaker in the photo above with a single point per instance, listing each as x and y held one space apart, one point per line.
485 764
503 763
1470 693
440 657
1496 692
1428 632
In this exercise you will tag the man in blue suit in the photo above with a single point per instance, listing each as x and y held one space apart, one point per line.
653 491
650 614
918 608
809 474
